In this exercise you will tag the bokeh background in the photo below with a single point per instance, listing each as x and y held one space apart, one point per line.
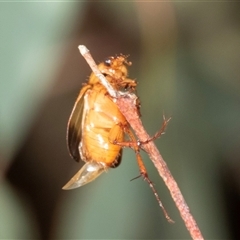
186 59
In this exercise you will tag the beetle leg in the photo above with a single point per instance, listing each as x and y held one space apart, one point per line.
143 173
137 143
114 139
134 144
158 133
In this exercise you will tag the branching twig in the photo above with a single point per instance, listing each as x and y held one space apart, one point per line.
127 105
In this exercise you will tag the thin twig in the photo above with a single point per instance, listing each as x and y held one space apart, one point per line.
86 54
127 105
128 109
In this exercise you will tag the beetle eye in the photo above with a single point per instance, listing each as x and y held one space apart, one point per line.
108 62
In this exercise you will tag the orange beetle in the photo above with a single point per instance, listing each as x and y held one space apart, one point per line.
96 127
96 123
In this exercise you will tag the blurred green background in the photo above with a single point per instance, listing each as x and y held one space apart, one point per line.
186 58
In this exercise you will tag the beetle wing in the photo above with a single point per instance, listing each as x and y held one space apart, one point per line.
74 127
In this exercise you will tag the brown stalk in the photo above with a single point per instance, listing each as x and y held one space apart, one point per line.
127 105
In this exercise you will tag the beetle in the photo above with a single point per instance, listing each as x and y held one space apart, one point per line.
96 128
96 123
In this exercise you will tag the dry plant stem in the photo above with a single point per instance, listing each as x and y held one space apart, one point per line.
127 105
86 54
